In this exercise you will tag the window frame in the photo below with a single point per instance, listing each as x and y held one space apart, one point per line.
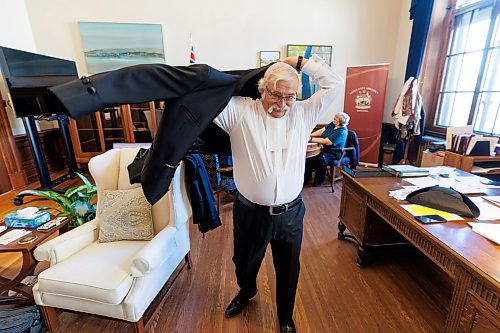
433 69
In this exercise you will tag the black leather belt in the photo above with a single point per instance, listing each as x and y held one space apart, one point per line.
271 210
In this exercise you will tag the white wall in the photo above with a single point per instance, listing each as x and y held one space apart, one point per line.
15 32
228 34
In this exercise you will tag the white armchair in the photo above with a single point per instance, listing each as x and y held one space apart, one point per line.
119 279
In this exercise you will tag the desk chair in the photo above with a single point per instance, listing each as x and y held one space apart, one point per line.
349 157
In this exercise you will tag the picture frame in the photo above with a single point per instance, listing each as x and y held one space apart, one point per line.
109 46
305 50
267 57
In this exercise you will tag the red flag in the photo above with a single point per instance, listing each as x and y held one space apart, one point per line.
192 58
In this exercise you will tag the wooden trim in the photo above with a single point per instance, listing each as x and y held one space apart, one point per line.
152 110
127 123
101 131
75 138
434 61
50 317
10 153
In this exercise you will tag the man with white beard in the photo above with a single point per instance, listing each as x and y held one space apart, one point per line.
269 141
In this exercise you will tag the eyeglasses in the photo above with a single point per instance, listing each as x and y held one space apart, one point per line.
276 98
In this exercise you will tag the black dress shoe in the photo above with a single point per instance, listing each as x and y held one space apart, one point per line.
288 328
238 303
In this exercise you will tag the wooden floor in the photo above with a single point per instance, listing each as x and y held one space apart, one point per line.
400 293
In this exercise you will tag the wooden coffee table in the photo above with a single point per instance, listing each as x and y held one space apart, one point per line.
29 261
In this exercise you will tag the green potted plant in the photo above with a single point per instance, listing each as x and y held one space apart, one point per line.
76 201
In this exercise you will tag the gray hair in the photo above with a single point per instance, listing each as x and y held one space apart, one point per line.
343 118
279 71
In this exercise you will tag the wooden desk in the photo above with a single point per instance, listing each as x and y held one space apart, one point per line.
29 262
377 221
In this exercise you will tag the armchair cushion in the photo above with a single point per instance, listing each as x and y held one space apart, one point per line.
124 215
89 275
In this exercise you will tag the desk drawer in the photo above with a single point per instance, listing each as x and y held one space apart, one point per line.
354 216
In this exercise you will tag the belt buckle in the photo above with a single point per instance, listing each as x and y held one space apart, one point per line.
272 213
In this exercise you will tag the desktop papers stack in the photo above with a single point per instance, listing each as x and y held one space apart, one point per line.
488 230
403 171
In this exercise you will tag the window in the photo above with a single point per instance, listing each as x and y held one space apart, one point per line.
470 89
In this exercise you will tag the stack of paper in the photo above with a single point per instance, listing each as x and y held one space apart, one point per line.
12 236
488 230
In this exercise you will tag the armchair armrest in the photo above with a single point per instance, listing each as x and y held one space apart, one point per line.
67 244
344 150
153 254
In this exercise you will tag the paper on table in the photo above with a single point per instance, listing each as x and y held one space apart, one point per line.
488 211
474 181
402 193
440 169
12 236
417 210
488 230
495 199
446 182
423 181
466 189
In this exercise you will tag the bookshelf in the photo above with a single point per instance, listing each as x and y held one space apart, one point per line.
96 133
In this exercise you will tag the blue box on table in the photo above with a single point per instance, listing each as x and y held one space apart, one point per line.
21 218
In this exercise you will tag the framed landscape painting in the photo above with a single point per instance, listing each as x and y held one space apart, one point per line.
323 51
267 57
109 46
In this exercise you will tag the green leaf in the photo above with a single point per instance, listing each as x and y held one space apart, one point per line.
64 214
84 179
51 195
74 190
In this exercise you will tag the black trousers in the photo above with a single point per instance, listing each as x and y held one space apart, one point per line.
254 229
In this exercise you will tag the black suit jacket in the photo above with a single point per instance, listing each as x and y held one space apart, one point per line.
194 96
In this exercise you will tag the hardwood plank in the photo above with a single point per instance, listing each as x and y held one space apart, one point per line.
398 293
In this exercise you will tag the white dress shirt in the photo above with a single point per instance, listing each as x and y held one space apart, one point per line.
269 153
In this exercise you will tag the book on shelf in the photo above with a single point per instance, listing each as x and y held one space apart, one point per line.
473 144
403 171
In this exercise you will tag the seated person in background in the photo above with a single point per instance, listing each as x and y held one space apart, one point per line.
333 137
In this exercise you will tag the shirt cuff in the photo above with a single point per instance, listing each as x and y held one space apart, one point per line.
313 65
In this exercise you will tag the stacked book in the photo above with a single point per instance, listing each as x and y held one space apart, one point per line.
403 171
473 144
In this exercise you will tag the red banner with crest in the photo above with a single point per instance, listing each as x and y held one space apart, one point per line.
364 103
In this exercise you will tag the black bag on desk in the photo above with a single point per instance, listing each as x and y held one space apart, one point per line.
445 199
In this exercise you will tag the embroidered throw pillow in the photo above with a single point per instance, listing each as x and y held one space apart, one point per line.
124 215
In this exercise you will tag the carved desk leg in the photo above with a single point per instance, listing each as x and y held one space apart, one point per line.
342 235
364 257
